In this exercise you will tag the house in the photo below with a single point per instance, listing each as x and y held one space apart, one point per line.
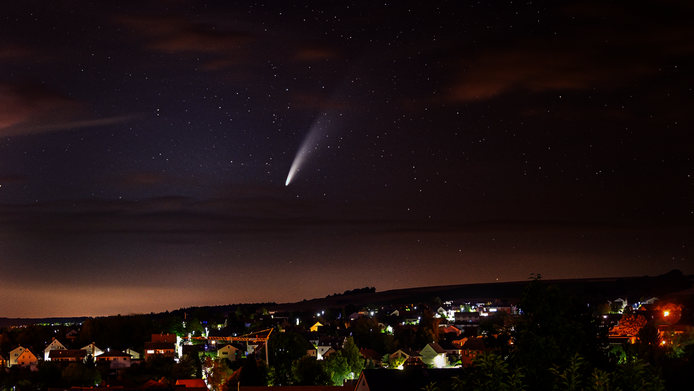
27 359
133 354
453 351
434 355
315 327
471 349
165 338
190 350
229 352
92 349
54 345
322 350
450 329
161 344
411 357
3 360
14 355
197 384
160 348
371 357
72 335
467 317
326 353
407 380
115 359
67 355
312 352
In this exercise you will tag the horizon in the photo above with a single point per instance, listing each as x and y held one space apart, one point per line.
337 294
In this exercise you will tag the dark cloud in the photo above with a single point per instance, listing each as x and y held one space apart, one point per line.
601 47
14 52
28 105
31 108
315 54
179 35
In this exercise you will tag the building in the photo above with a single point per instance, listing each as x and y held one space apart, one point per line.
54 345
92 349
115 359
229 352
162 344
165 338
27 359
67 355
159 348
434 355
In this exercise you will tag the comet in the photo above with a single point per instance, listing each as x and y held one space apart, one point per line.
309 146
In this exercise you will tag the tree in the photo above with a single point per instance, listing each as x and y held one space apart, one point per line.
50 374
428 329
284 349
490 372
431 387
648 344
158 366
307 371
216 372
355 361
254 373
394 362
366 332
638 375
551 331
630 324
570 378
194 327
76 374
337 368
185 368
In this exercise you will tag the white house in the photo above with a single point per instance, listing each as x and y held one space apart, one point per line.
116 359
54 345
93 350
322 350
229 352
434 355
133 354
14 355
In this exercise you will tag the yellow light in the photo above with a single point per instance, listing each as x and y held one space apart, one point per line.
666 313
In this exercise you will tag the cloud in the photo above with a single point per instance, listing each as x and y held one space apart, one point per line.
5 179
139 179
178 35
196 40
31 108
315 54
26 102
606 47
12 52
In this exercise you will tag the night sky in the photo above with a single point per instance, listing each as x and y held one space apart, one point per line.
145 148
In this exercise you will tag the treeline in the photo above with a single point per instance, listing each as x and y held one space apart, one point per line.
353 292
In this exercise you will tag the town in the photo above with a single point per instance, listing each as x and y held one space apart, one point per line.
543 339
